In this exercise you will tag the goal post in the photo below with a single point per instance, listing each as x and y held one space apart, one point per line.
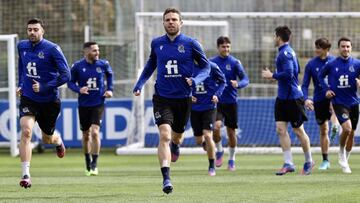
11 89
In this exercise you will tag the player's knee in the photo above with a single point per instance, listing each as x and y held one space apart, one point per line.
26 133
217 126
347 130
280 131
199 140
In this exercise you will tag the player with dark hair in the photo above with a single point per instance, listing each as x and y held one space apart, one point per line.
42 69
321 104
341 87
227 106
205 97
88 80
289 105
173 55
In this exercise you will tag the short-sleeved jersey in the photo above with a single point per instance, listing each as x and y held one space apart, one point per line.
287 70
45 63
92 76
174 61
204 91
312 69
341 74
232 69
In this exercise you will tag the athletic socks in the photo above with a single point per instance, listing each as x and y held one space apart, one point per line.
211 163
325 157
165 171
219 147
232 153
87 161
288 157
94 160
25 168
308 157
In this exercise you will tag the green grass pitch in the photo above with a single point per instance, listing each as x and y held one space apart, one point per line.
138 179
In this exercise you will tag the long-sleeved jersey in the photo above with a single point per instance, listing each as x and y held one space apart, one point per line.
287 70
232 69
312 69
174 61
341 74
92 76
204 91
45 63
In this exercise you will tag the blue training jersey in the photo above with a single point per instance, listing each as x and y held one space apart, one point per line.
45 63
174 61
341 74
232 69
204 91
312 69
287 70
92 76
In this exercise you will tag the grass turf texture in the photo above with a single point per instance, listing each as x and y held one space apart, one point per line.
138 179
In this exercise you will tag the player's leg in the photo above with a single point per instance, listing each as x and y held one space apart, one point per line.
210 149
324 144
27 124
297 116
322 115
84 117
164 156
196 124
230 121
164 119
281 119
343 115
96 117
354 118
217 135
181 109
285 143
48 114
335 125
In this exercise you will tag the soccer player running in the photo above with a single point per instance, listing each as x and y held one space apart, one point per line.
88 80
289 105
321 104
42 69
174 55
205 97
342 75
227 106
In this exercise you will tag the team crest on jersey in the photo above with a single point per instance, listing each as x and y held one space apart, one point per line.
344 116
351 69
98 69
181 48
336 69
317 69
228 67
157 115
161 46
84 69
41 55
24 53
25 110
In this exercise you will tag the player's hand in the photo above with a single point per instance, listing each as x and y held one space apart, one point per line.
234 83
309 105
266 73
215 99
357 82
84 90
18 91
36 86
137 93
189 81
330 94
108 94
193 99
